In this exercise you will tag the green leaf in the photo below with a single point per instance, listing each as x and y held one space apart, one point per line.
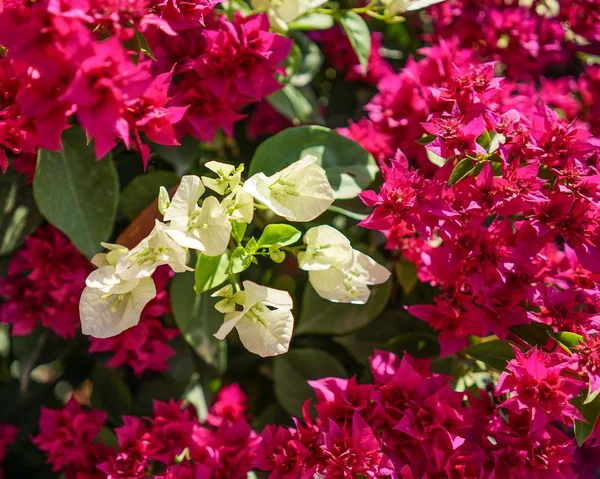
143 45
312 21
110 393
590 412
238 229
426 140
390 324
198 320
419 344
240 261
567 340
485 140
143 190
435 159
406 274
350 168
359 35
494 353
181 157
320 316
76 193
210 272
19 217
278 234
464 168
293 104
292 370
533 333
311 60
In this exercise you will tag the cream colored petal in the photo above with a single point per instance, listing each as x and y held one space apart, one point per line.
231 319
325 247
186 198
269 337
256 294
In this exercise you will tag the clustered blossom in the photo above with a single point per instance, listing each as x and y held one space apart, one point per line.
407 424
171 444
44 282
69 438
85 59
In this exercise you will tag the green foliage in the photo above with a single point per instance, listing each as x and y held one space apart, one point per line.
320 316
210 272
350 169
590 411
19 216
278 234
198 320
494 353
359 35
76 193
143 190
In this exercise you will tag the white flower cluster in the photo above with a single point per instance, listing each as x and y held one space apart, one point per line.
117 292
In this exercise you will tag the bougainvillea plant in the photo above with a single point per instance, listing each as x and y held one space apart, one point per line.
284 239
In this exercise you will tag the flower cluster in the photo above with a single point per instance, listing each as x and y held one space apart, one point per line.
44 282
527 37
171 444
68 437
90 59
407 424
119 290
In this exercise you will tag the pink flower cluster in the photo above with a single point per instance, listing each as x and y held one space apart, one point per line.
85 59
528 38
172 444
507 228
144 346
68 437
407 424
44 283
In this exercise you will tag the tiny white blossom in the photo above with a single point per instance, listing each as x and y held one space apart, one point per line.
283 12
227 305
300 192
239 206
105 314
265 324
349 284
228 177
157 249
325 247
184 203
393 7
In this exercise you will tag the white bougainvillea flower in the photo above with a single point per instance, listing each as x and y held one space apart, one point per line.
184 203
105 314
350 284
394 7
157 249
239 206
325 247
229 176
300 192
283 12
115 251
266 322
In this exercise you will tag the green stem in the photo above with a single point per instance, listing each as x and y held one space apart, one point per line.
345 212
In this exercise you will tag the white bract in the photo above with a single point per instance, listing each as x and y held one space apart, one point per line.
300 192
325 247
228 177
239 206
265 323
393 7
349 284
157 249
204 228
283 12
110 304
